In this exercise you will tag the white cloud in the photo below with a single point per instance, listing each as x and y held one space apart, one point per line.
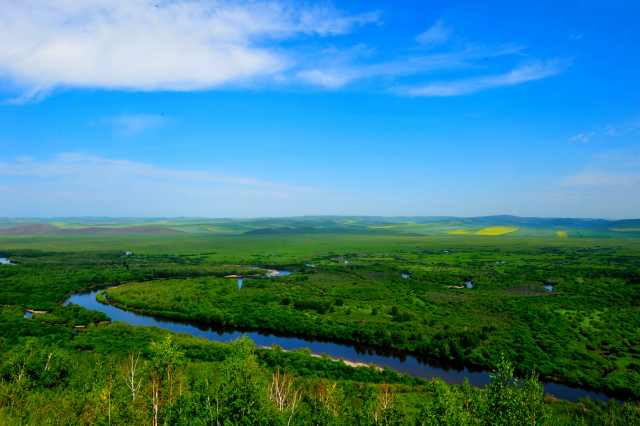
332 79
103 186
610 131
187 45
435 35
602 179
149 45
586 137
128 124
338 68
85 169
534 70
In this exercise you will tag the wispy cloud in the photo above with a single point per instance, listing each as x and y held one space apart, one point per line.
534 70
602 179
610 131
149 45
128 124
583 137
338 68
82 168
185 45
79 184
332 79
435 35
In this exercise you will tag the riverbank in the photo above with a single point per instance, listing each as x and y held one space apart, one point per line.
269 272
358 354
327 357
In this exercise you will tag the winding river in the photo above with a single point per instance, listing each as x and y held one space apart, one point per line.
402 362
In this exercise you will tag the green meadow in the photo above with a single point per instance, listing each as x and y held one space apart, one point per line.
287 247
584 333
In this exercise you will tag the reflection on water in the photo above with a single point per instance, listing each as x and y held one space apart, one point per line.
469 285
5 261
402 362
405 275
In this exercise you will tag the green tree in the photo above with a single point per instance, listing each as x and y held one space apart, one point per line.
243 388
165 359
451 406
509 403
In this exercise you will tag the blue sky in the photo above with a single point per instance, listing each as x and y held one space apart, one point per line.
261 108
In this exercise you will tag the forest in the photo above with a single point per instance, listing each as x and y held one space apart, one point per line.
529 314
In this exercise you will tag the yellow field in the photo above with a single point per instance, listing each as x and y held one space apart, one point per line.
562 234
497 230
625 229
459 232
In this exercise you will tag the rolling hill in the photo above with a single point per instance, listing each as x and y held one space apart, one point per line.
503 226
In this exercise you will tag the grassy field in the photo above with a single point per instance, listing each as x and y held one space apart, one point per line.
286 247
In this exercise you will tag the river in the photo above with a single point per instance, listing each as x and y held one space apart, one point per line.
402 362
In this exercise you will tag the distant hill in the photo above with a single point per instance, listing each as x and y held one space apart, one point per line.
503 226
39 229
622 224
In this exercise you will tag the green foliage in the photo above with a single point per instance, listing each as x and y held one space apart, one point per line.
583 332
41 279
40 380
72 314
451 406
243 387
508 403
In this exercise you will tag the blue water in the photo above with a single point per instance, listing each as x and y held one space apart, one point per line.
402 362
279 274
548 287
5 261
405 275
28 314
469 285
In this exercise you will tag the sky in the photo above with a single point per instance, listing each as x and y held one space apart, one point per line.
216 108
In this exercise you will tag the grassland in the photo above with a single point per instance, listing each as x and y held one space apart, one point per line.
510 226
585 332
